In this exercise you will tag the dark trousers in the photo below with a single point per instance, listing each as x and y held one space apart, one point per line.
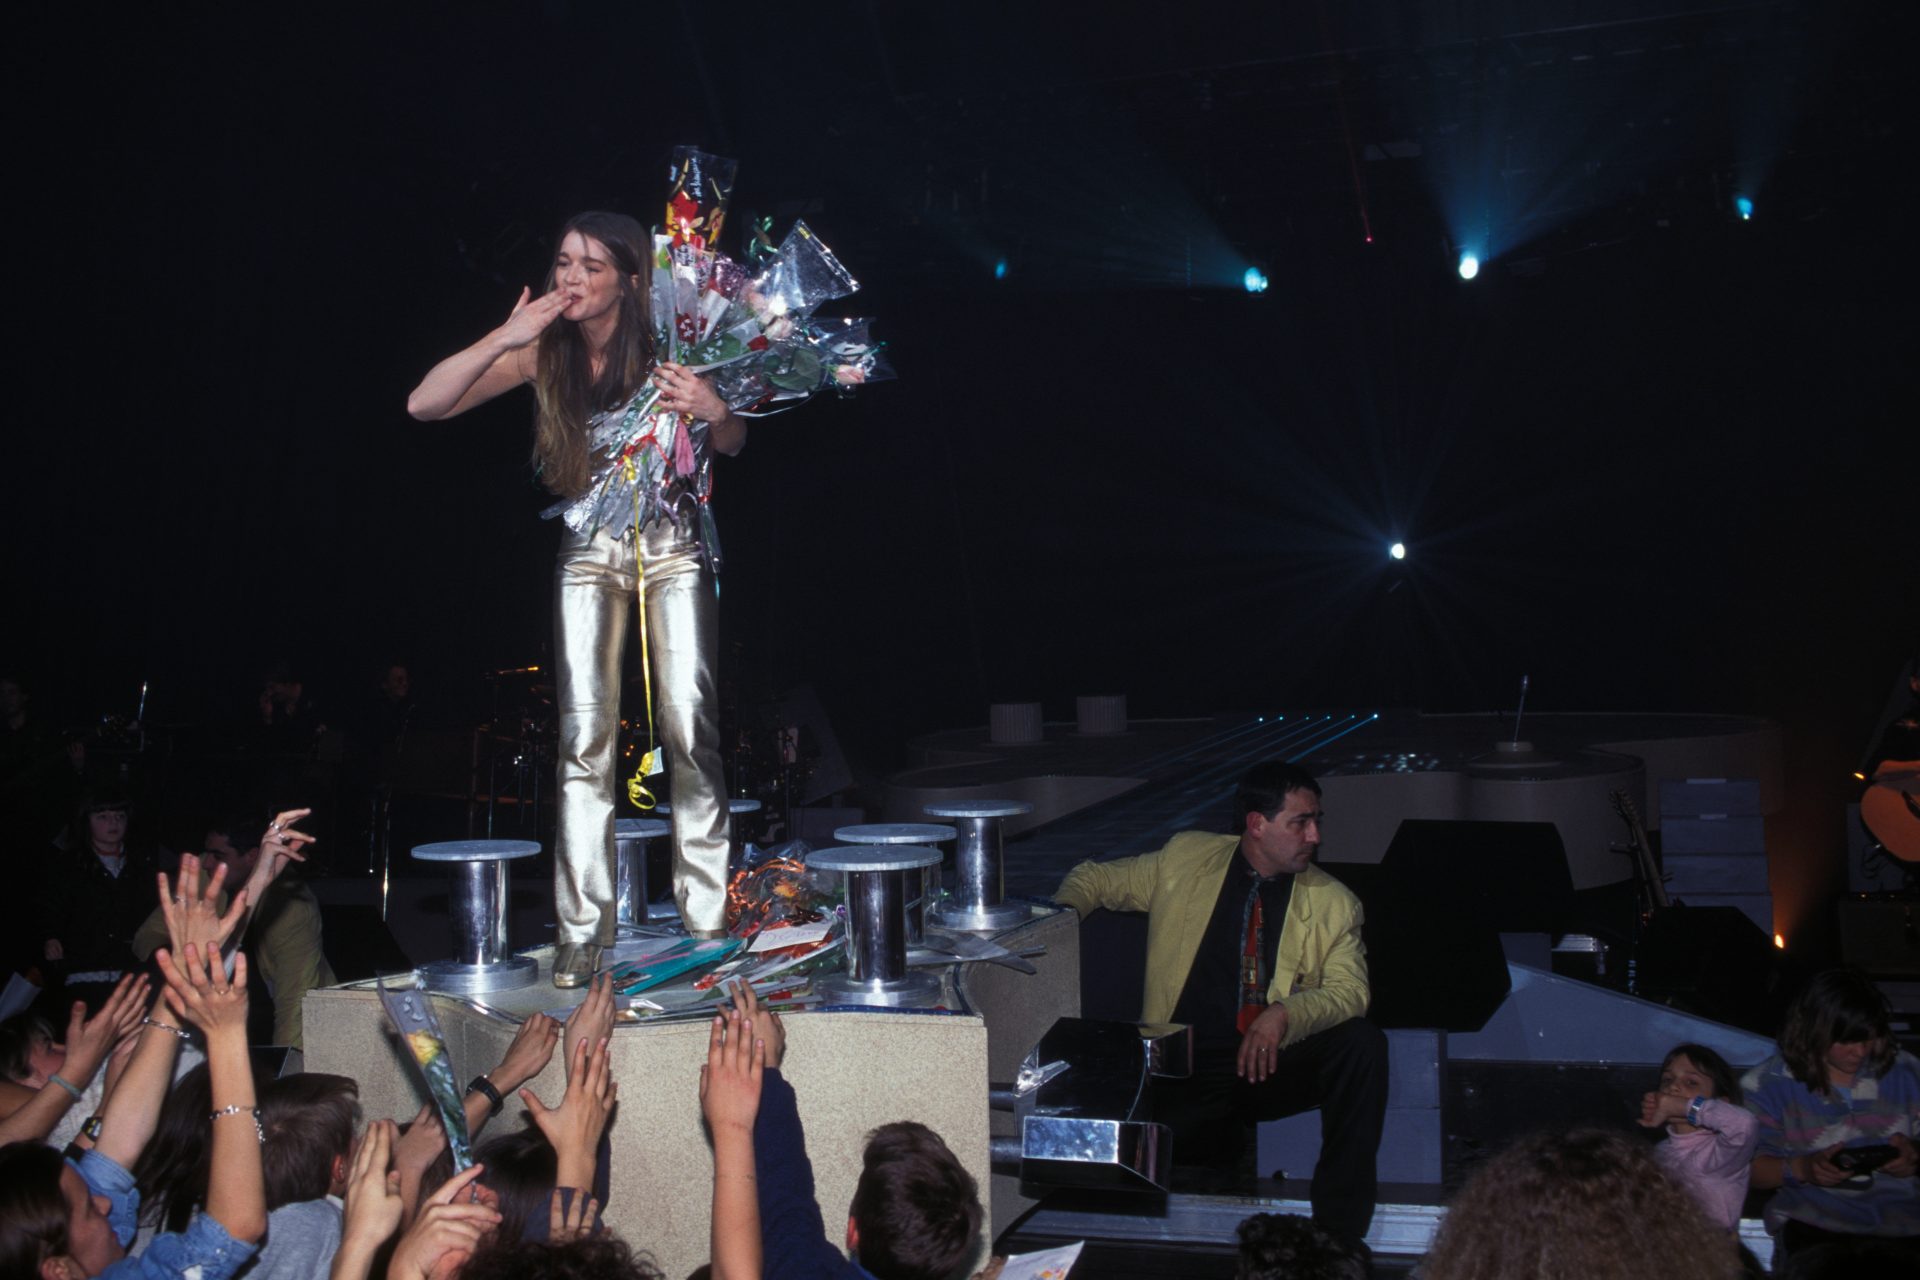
1342 1070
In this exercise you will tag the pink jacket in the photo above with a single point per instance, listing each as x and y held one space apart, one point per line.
1712 1162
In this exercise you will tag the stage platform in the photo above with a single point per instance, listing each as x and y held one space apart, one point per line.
852 1069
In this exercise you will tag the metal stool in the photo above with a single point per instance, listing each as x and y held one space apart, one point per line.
877 880
477 900
631 836
921 833
979 862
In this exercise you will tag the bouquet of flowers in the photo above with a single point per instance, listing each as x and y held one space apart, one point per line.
753 328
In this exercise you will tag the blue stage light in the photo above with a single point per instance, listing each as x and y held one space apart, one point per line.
1398 551
1000 269
1743 206
1255 280
1469 266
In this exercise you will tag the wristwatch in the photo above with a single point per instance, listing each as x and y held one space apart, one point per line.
484 1086
91 1129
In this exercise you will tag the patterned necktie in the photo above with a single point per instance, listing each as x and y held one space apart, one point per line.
1253 986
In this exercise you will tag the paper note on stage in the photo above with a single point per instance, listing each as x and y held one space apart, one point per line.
798 935
1047 1264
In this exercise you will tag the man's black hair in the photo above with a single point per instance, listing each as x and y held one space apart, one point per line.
1264 790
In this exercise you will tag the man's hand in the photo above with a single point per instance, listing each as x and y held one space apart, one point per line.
1657 1109
1260 1047
191 908
446 1233
591 1022
1904 1164
528 1055
90 1040
575 1126
767 1026
577 1220
730 1080
198 990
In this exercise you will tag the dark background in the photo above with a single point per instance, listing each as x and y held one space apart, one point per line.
1654 456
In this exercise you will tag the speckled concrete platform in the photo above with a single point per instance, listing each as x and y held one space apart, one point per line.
852 1071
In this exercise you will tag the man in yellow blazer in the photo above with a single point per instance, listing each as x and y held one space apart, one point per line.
1259 951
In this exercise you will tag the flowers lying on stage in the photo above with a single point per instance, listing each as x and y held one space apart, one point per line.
752 328
413 1018
774 887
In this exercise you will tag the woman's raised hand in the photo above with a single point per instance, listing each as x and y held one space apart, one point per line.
90 1040
531 316
199 990
191 908
280 844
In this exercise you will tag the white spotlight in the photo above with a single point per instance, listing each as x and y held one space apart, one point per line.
1469 266
1398 551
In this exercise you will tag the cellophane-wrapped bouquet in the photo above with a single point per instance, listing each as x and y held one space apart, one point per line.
753 328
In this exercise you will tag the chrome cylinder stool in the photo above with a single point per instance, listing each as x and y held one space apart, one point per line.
477 889
631 836
878 881
979 862
920 895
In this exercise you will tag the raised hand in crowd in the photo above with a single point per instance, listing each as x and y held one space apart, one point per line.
450 1227
199 991
89 1041
767 1026
730 1084
575 1126
414 1151
190 906
571 1216
280 844
591 1022
373 1206
526 1057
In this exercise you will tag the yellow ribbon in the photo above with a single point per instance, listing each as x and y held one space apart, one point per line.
637 794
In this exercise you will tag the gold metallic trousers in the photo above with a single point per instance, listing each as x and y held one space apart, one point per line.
595 580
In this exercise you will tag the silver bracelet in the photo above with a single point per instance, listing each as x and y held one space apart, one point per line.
259 1130
149 1022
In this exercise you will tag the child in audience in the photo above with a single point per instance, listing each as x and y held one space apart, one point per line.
1839 1081
916 1210
1710 1136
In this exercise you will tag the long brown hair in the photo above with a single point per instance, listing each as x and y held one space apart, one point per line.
1840 1006
33 1212
564 386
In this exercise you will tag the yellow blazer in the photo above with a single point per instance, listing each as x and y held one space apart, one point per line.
1320 973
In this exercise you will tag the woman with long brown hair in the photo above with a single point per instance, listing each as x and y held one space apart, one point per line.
586 345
